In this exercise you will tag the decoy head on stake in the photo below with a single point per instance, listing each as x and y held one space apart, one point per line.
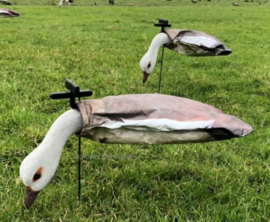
148 61
38 168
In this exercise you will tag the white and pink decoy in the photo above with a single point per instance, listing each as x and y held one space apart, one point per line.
128 119
185 42
5 2
8 13
65 1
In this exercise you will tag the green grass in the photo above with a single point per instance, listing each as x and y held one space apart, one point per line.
99 48
144 2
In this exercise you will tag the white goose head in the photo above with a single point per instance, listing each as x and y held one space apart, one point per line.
148 61
39 167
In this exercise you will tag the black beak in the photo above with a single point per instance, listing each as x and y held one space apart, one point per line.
30 197
145 76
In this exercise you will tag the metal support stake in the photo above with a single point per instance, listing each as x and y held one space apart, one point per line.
160 72
79 169
163 24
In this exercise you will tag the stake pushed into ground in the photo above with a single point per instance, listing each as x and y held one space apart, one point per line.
163 24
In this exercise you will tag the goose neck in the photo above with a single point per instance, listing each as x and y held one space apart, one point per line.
67 124
159 40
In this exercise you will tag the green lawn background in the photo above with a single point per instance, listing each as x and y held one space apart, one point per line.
99 48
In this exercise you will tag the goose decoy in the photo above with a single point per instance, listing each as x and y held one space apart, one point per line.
65 1
128 119
185 42
8 13
5 2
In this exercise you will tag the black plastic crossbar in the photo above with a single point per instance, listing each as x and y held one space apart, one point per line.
163 23
73 93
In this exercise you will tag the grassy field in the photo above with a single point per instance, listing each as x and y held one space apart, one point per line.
99 48
143 2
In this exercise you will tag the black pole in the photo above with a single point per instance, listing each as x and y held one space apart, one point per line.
163 24
79 165
79 169
160 72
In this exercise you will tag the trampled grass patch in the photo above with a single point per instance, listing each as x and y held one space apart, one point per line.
99 48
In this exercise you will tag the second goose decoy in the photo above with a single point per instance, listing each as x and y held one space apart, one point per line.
185 42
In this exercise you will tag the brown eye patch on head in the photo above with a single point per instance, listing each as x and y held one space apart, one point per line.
38 174
149 65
